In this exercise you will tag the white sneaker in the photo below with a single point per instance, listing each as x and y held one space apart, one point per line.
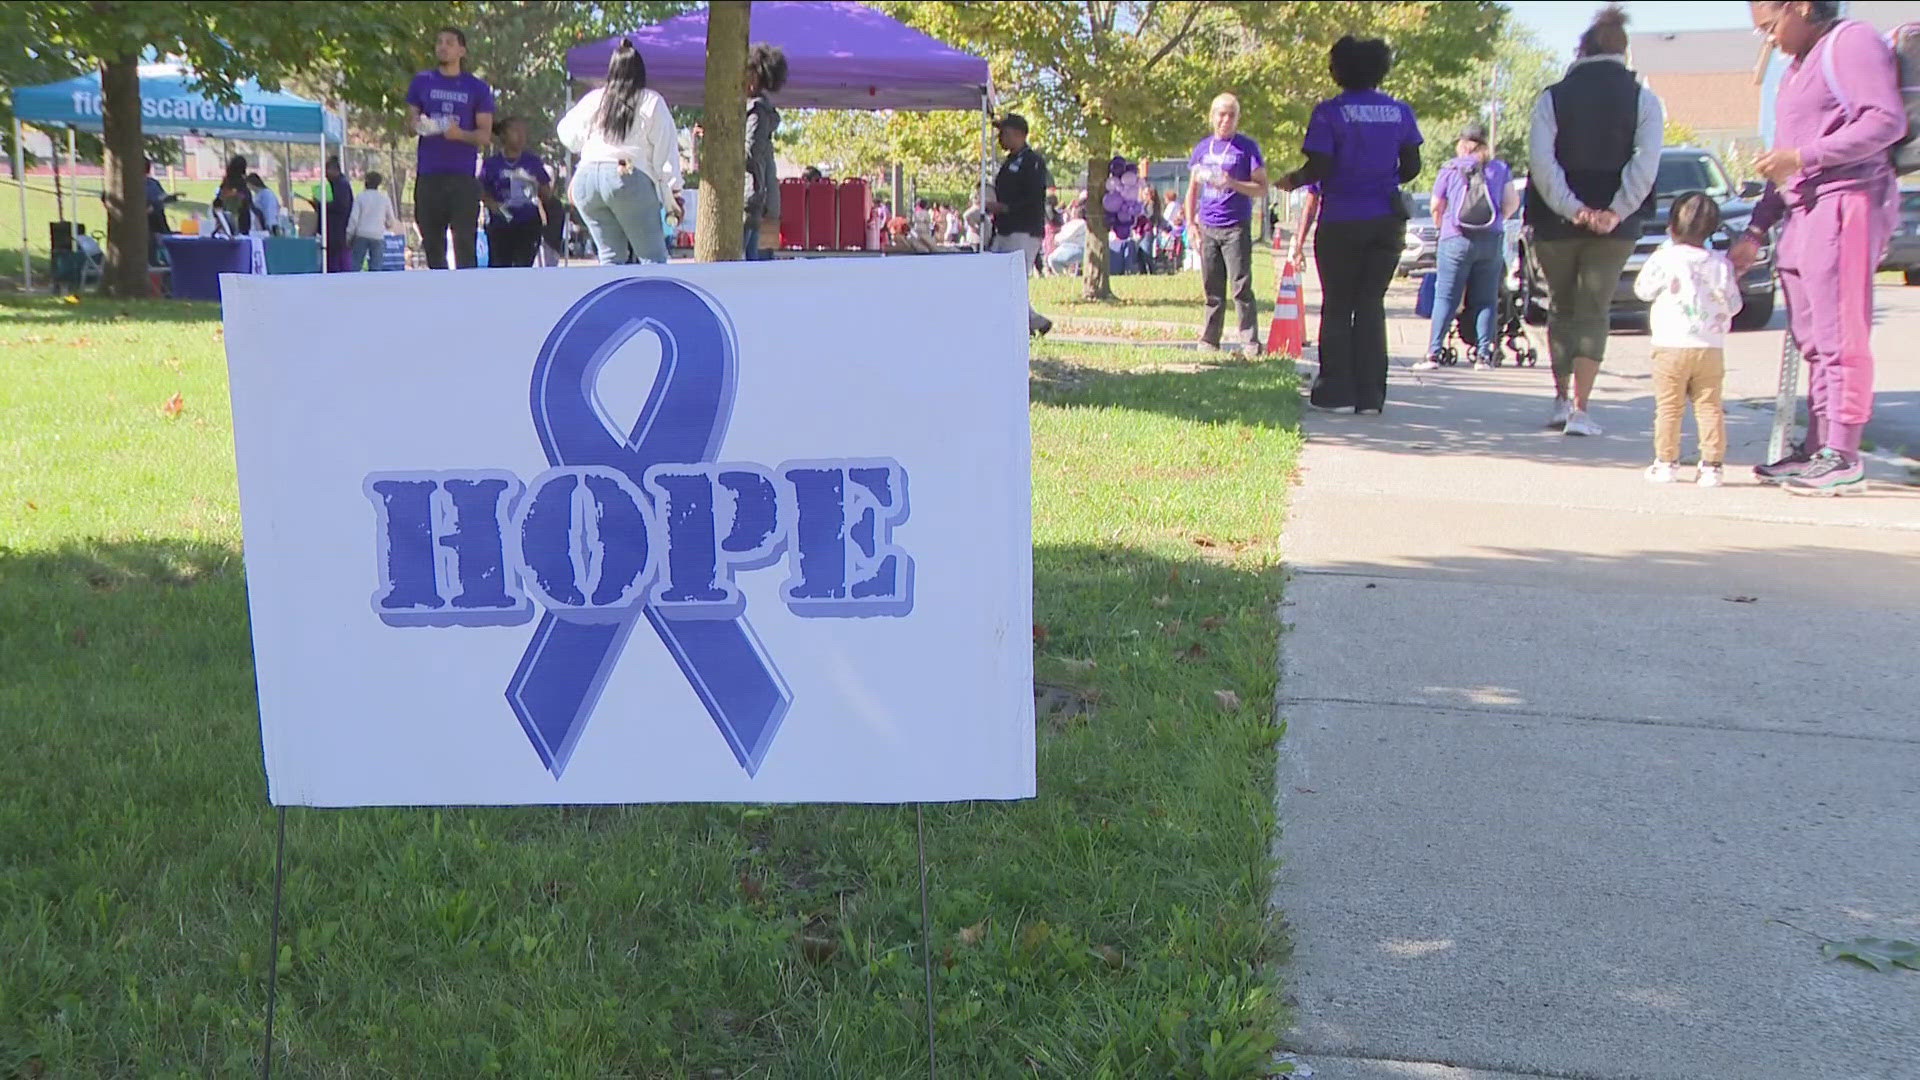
1711 476
1660 472
1579 423
1480 365
1562 408
1429 364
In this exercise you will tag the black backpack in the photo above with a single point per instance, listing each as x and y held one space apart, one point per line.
1476 206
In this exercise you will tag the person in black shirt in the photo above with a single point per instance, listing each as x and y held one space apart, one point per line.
1019 203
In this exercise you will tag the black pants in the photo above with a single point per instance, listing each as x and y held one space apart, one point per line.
448 201
512 243
1356 261
1226 254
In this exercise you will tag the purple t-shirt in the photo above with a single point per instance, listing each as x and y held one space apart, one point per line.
1363 131
515 184
1220 206
461 97
1451 187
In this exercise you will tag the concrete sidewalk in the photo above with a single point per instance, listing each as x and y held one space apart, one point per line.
1567 751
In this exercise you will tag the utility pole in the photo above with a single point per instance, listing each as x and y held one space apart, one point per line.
1493 107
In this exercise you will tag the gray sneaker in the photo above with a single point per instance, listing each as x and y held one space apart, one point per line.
1829 473
1795 463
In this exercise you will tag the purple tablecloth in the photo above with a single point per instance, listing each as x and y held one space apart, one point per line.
198 262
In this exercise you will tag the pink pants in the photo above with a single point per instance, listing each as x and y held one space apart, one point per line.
1828 253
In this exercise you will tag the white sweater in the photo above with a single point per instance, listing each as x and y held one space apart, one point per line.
652 145
1694 295
372 216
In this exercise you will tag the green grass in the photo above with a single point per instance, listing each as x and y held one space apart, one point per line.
1116 926
1167 298
43 209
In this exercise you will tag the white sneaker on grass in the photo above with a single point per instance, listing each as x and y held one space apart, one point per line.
1579 423
1660 472
1711 476
1562 408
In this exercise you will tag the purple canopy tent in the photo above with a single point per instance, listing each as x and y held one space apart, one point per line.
840 55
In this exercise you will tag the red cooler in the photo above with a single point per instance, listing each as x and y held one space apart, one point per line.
793 212
820 214
855 203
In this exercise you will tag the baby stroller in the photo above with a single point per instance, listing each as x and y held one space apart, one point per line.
1509 323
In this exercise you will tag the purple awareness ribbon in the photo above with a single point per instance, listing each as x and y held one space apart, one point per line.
683 421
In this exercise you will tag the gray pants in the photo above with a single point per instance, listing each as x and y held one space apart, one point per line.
1028 245
622 212
1226 255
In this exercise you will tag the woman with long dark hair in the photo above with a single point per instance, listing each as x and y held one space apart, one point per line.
766 74
629 162
235 200
1361 145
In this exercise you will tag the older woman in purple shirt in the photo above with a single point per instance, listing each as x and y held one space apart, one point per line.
1837 113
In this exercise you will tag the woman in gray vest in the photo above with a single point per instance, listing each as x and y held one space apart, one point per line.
1593 150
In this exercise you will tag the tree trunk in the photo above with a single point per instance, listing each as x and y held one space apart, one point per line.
723 150
124 180
1099 151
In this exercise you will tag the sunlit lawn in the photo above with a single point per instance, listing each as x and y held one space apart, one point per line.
1116 926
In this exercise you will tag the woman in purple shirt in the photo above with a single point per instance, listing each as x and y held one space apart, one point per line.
1837 113
1361 145
1227 172
1473 244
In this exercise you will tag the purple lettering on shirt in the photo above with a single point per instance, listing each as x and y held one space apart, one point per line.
1220 206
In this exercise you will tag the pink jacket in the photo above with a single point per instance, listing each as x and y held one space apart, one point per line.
1840 106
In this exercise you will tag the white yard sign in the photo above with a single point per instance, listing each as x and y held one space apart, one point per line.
753 532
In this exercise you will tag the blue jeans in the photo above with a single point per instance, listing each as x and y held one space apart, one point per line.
1471 265
622 213
367 253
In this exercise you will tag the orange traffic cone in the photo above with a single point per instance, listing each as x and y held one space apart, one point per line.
1287 335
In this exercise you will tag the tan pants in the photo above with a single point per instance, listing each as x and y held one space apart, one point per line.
1679 376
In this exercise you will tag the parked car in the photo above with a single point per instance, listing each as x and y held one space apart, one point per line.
1682 169
1904 253
1423 237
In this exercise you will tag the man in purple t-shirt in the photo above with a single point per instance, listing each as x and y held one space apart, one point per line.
1227 172
452 110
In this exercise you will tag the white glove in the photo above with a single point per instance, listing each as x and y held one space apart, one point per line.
426 125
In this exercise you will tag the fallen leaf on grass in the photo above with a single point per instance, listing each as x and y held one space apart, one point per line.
1035 935
750 887
31 505
69 299
1213 622
81 342
1078 665
1228 700
1111 956
1173 628
78 637
1880 954
1740 599
1039 634
1195 651
174 406
1205 541
1162 601
971 935
816 948
36 339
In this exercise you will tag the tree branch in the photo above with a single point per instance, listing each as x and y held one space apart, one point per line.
1180 35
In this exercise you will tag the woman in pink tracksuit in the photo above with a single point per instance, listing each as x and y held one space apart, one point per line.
1837 115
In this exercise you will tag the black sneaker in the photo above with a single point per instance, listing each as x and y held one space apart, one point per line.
1795 463
1829 473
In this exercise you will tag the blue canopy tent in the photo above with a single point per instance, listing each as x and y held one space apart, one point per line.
170 107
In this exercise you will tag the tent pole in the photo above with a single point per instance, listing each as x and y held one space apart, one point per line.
20 180
986 157
326 194
73 167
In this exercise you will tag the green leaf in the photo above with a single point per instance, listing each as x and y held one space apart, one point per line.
1880 954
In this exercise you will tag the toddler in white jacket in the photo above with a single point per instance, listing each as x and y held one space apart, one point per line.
1695 295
